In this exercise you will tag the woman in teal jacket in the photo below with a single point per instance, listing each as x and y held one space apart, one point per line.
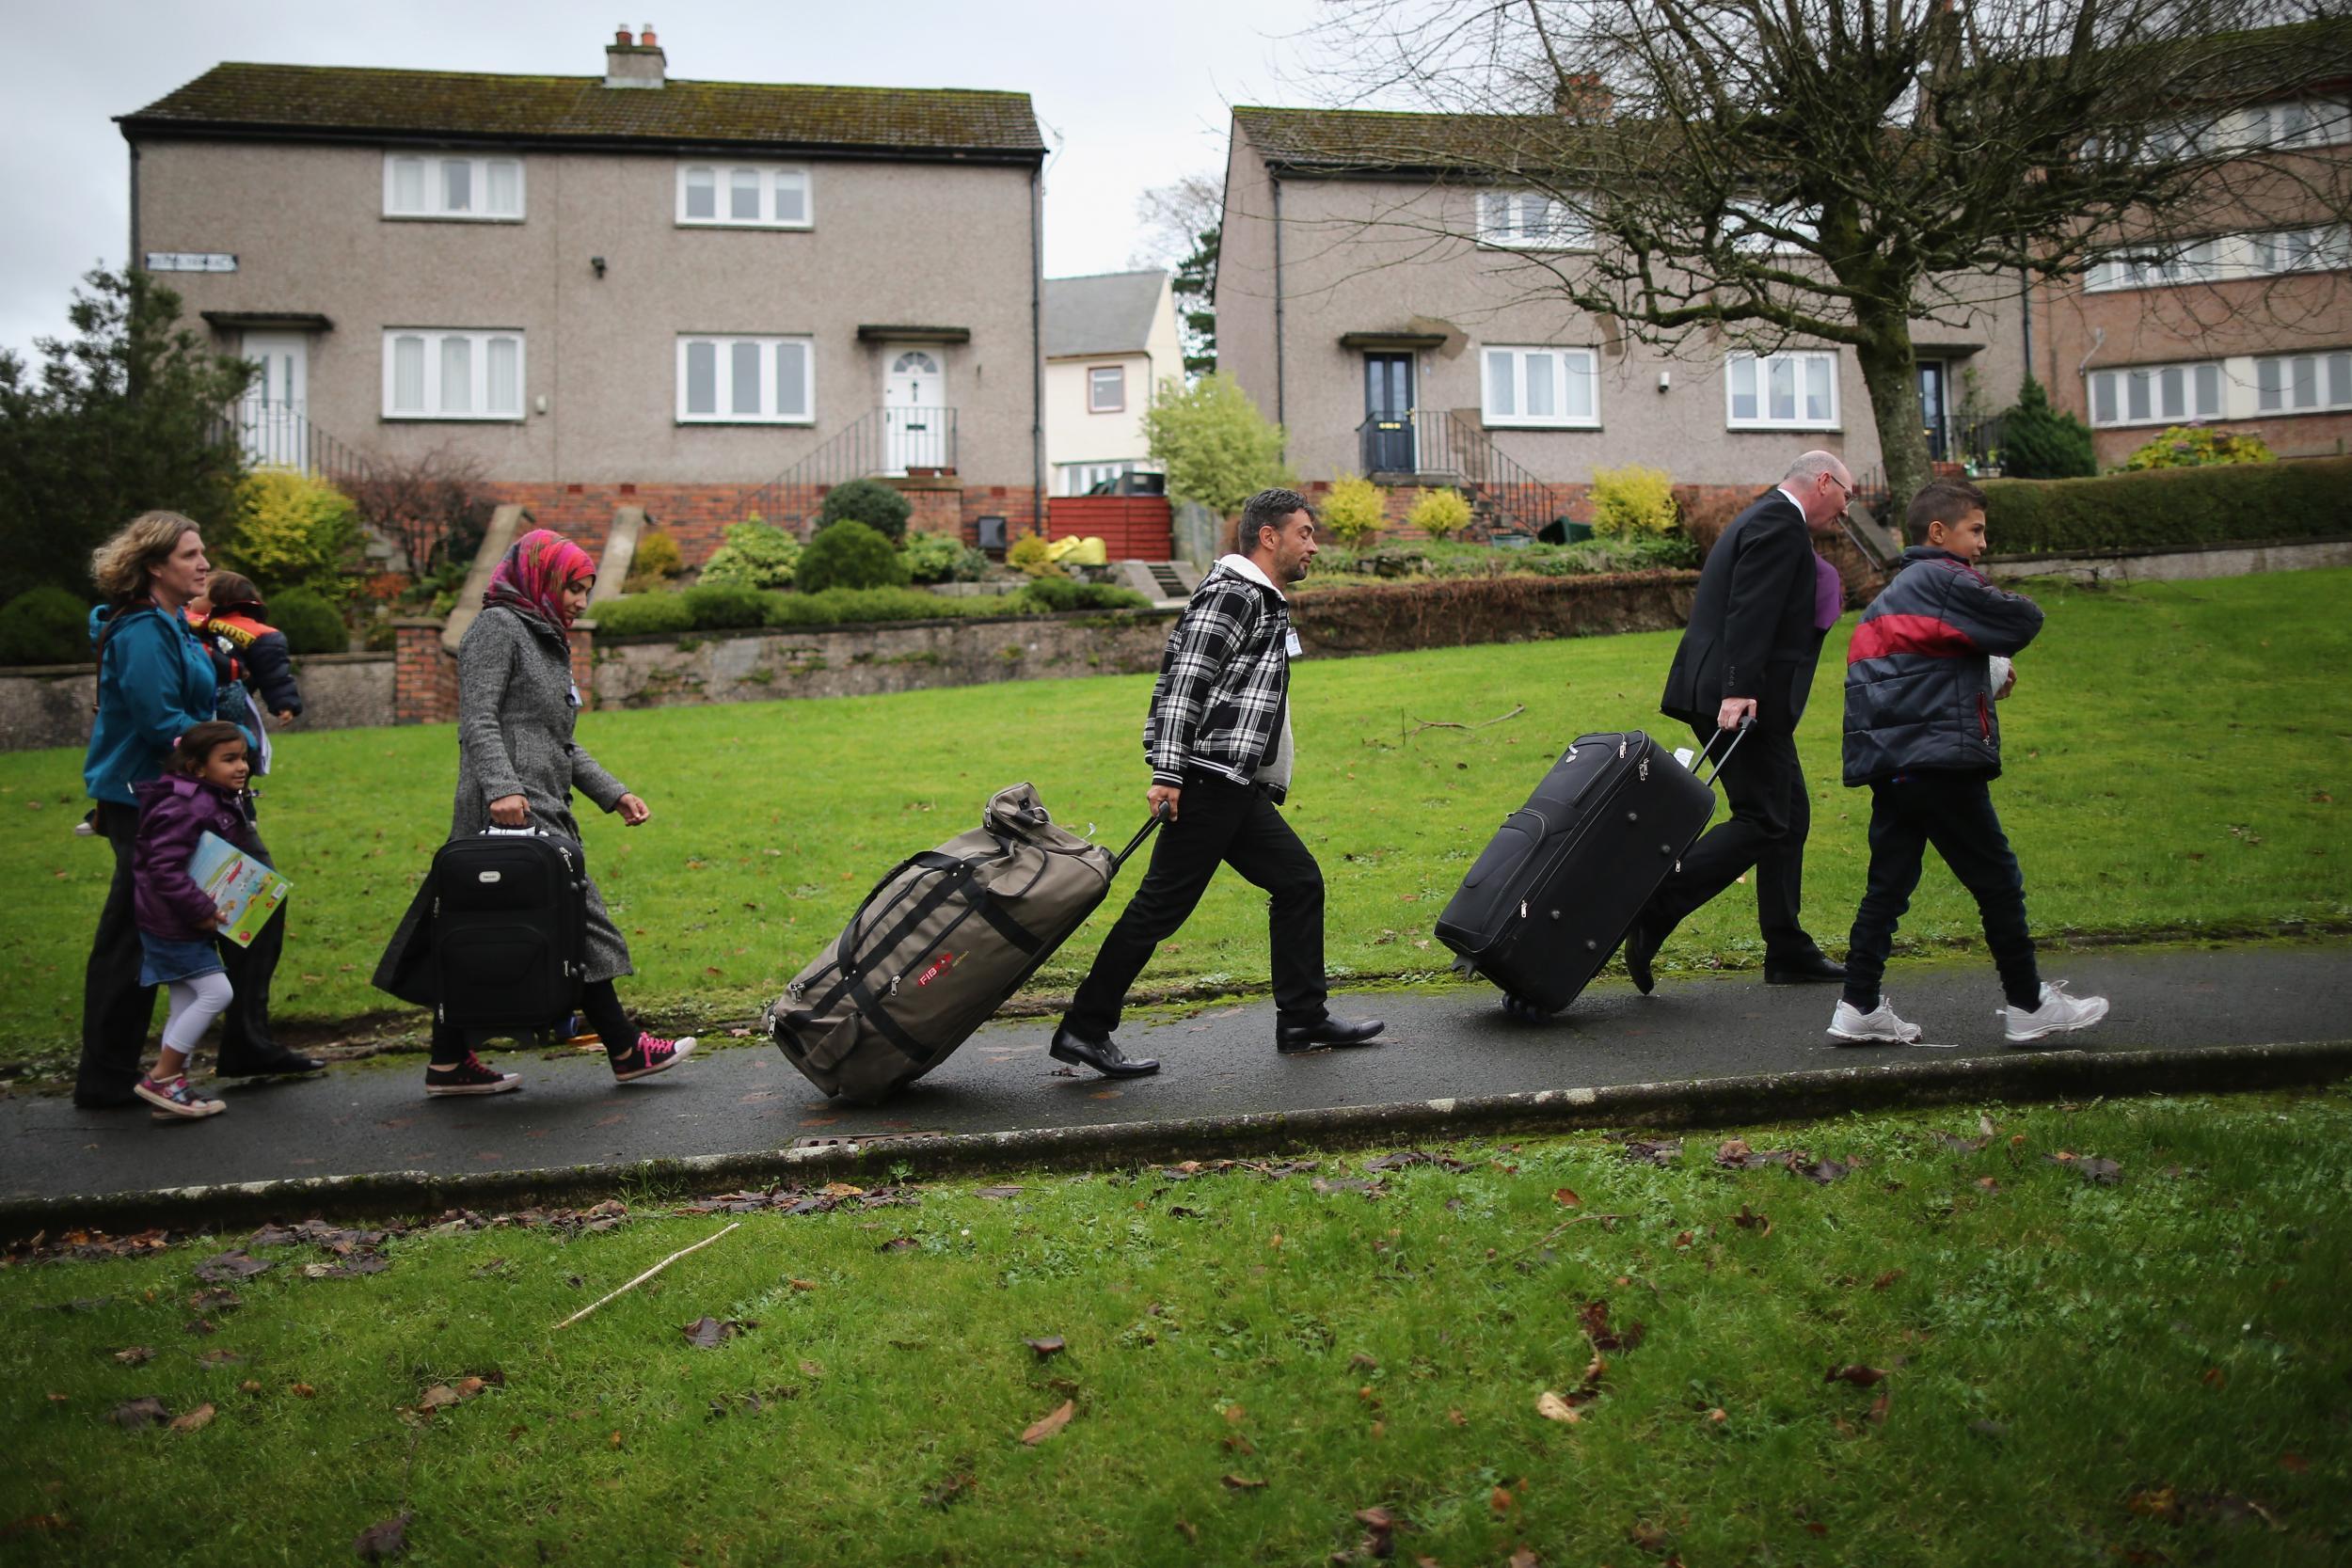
154 684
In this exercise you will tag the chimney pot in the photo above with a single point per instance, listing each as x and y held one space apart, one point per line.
644 35
620 35
1581 96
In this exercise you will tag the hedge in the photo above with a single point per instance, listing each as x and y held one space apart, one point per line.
2170 507
721 609
45 625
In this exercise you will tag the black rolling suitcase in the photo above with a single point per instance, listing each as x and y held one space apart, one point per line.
1548 903
510 926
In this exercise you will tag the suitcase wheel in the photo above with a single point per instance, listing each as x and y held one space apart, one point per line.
1519 1006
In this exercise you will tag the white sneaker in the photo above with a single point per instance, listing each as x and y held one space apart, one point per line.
2058 1013
1877 1026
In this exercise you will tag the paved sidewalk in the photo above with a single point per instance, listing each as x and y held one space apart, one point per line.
1442 1041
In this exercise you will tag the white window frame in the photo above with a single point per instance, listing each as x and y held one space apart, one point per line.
1749 240
435 406
722 176
1513 220
2221 257
1076 479
1763 363
1094 403
2322 248
1568 362
434 206
2326 122
2108 394
767 347
2275 378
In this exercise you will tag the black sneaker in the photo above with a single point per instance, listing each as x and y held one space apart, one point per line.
470 1076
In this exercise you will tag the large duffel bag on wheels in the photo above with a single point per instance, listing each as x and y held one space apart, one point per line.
509 931
1548 903
938 946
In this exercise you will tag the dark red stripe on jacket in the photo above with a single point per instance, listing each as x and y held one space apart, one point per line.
1882 635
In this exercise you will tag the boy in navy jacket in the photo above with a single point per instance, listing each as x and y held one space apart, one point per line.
1921 731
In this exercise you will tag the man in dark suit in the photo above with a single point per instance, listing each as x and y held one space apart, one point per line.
1764 600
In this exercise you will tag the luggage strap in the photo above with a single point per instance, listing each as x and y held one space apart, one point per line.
957 881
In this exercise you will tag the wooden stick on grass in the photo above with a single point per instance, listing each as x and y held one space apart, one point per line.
647 1275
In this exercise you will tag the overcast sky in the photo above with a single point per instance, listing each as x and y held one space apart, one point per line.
1130 95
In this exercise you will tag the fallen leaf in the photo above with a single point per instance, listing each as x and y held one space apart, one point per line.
1235 1414
1760 1224
2295 1464
801 1284
133 1413
1191 1532
1718 1415
1552 1407
810 1368
1499 1500
195 1420
1876 1415
1857 1374
710 1333
2161 1503
1656 1151
302 1390
1363 1362
2214 1378
1241 1484
136 1356
950 1491
380 1542
219 1359
1883 1281
1045 1426
899 1244
1051 1344
249 1386
1457 1419
1565 1197
1595 1317
232 1265
1524 1558
1824 1171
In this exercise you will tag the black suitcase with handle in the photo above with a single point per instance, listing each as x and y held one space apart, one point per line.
510 927
1549 900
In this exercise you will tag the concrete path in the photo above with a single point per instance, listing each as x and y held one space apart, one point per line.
1442 1041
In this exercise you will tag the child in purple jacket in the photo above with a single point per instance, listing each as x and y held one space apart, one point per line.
202 790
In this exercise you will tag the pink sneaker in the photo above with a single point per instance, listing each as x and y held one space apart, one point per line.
470 1076
650 1056
174 1100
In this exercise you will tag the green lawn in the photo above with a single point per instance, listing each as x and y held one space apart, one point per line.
2174 754
2108 1334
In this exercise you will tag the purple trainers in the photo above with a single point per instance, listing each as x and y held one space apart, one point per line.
651 1055
469 1077
174 1100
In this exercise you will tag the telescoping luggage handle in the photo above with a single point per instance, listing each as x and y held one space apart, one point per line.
1747 722
1143 832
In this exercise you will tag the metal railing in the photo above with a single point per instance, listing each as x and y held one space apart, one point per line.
891 440
1440 445
1975 443
280 436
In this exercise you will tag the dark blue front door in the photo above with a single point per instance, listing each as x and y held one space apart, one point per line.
1389 414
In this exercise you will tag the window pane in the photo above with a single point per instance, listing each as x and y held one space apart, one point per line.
702 378
792 381
2306 381
791 197
1502 403
1784 388
743 195
456 186
2339 379
456 375
2208 391
1816 388
1108 387
1542 398
1579 377
1743 388
2135 394
743 377
505 395
702 194
2102 398
408 374
2173 392
2269 384
408 185
505 192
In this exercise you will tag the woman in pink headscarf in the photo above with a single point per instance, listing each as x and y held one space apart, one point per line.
517 766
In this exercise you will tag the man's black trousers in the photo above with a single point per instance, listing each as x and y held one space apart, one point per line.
1953 812
1771 815
1217 822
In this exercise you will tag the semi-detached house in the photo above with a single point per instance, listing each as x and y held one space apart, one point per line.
626 289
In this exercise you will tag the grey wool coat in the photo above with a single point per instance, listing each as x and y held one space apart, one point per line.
514 717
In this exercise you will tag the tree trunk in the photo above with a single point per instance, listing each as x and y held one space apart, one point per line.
1891 374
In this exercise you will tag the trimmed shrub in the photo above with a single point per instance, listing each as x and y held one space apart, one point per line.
2227 504
1441 514
1032 555
943 558
1057 594
2039 442
310 623
869 501
633 613
44 625
2196 447
717 605
756 555
1632 502
1354 511
293 531
657 561
850 555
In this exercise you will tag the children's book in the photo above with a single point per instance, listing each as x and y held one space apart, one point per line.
236 881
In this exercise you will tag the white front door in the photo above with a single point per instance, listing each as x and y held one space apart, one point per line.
914 410
273 415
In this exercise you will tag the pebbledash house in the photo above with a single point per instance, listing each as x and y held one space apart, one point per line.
708 299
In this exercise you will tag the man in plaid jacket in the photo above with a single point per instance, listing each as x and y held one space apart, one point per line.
1218 742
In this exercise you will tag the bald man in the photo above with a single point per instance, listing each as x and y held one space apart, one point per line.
1764 601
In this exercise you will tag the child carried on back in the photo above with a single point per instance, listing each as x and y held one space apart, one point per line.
202 790
1921 731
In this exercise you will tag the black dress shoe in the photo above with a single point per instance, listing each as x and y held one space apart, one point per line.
1640 947
264 1064
1332 1033
1104 1056
1814 969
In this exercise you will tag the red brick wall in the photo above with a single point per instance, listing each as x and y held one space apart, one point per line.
1015 503
2287 434
424 679
697 515
1132 528
583 646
